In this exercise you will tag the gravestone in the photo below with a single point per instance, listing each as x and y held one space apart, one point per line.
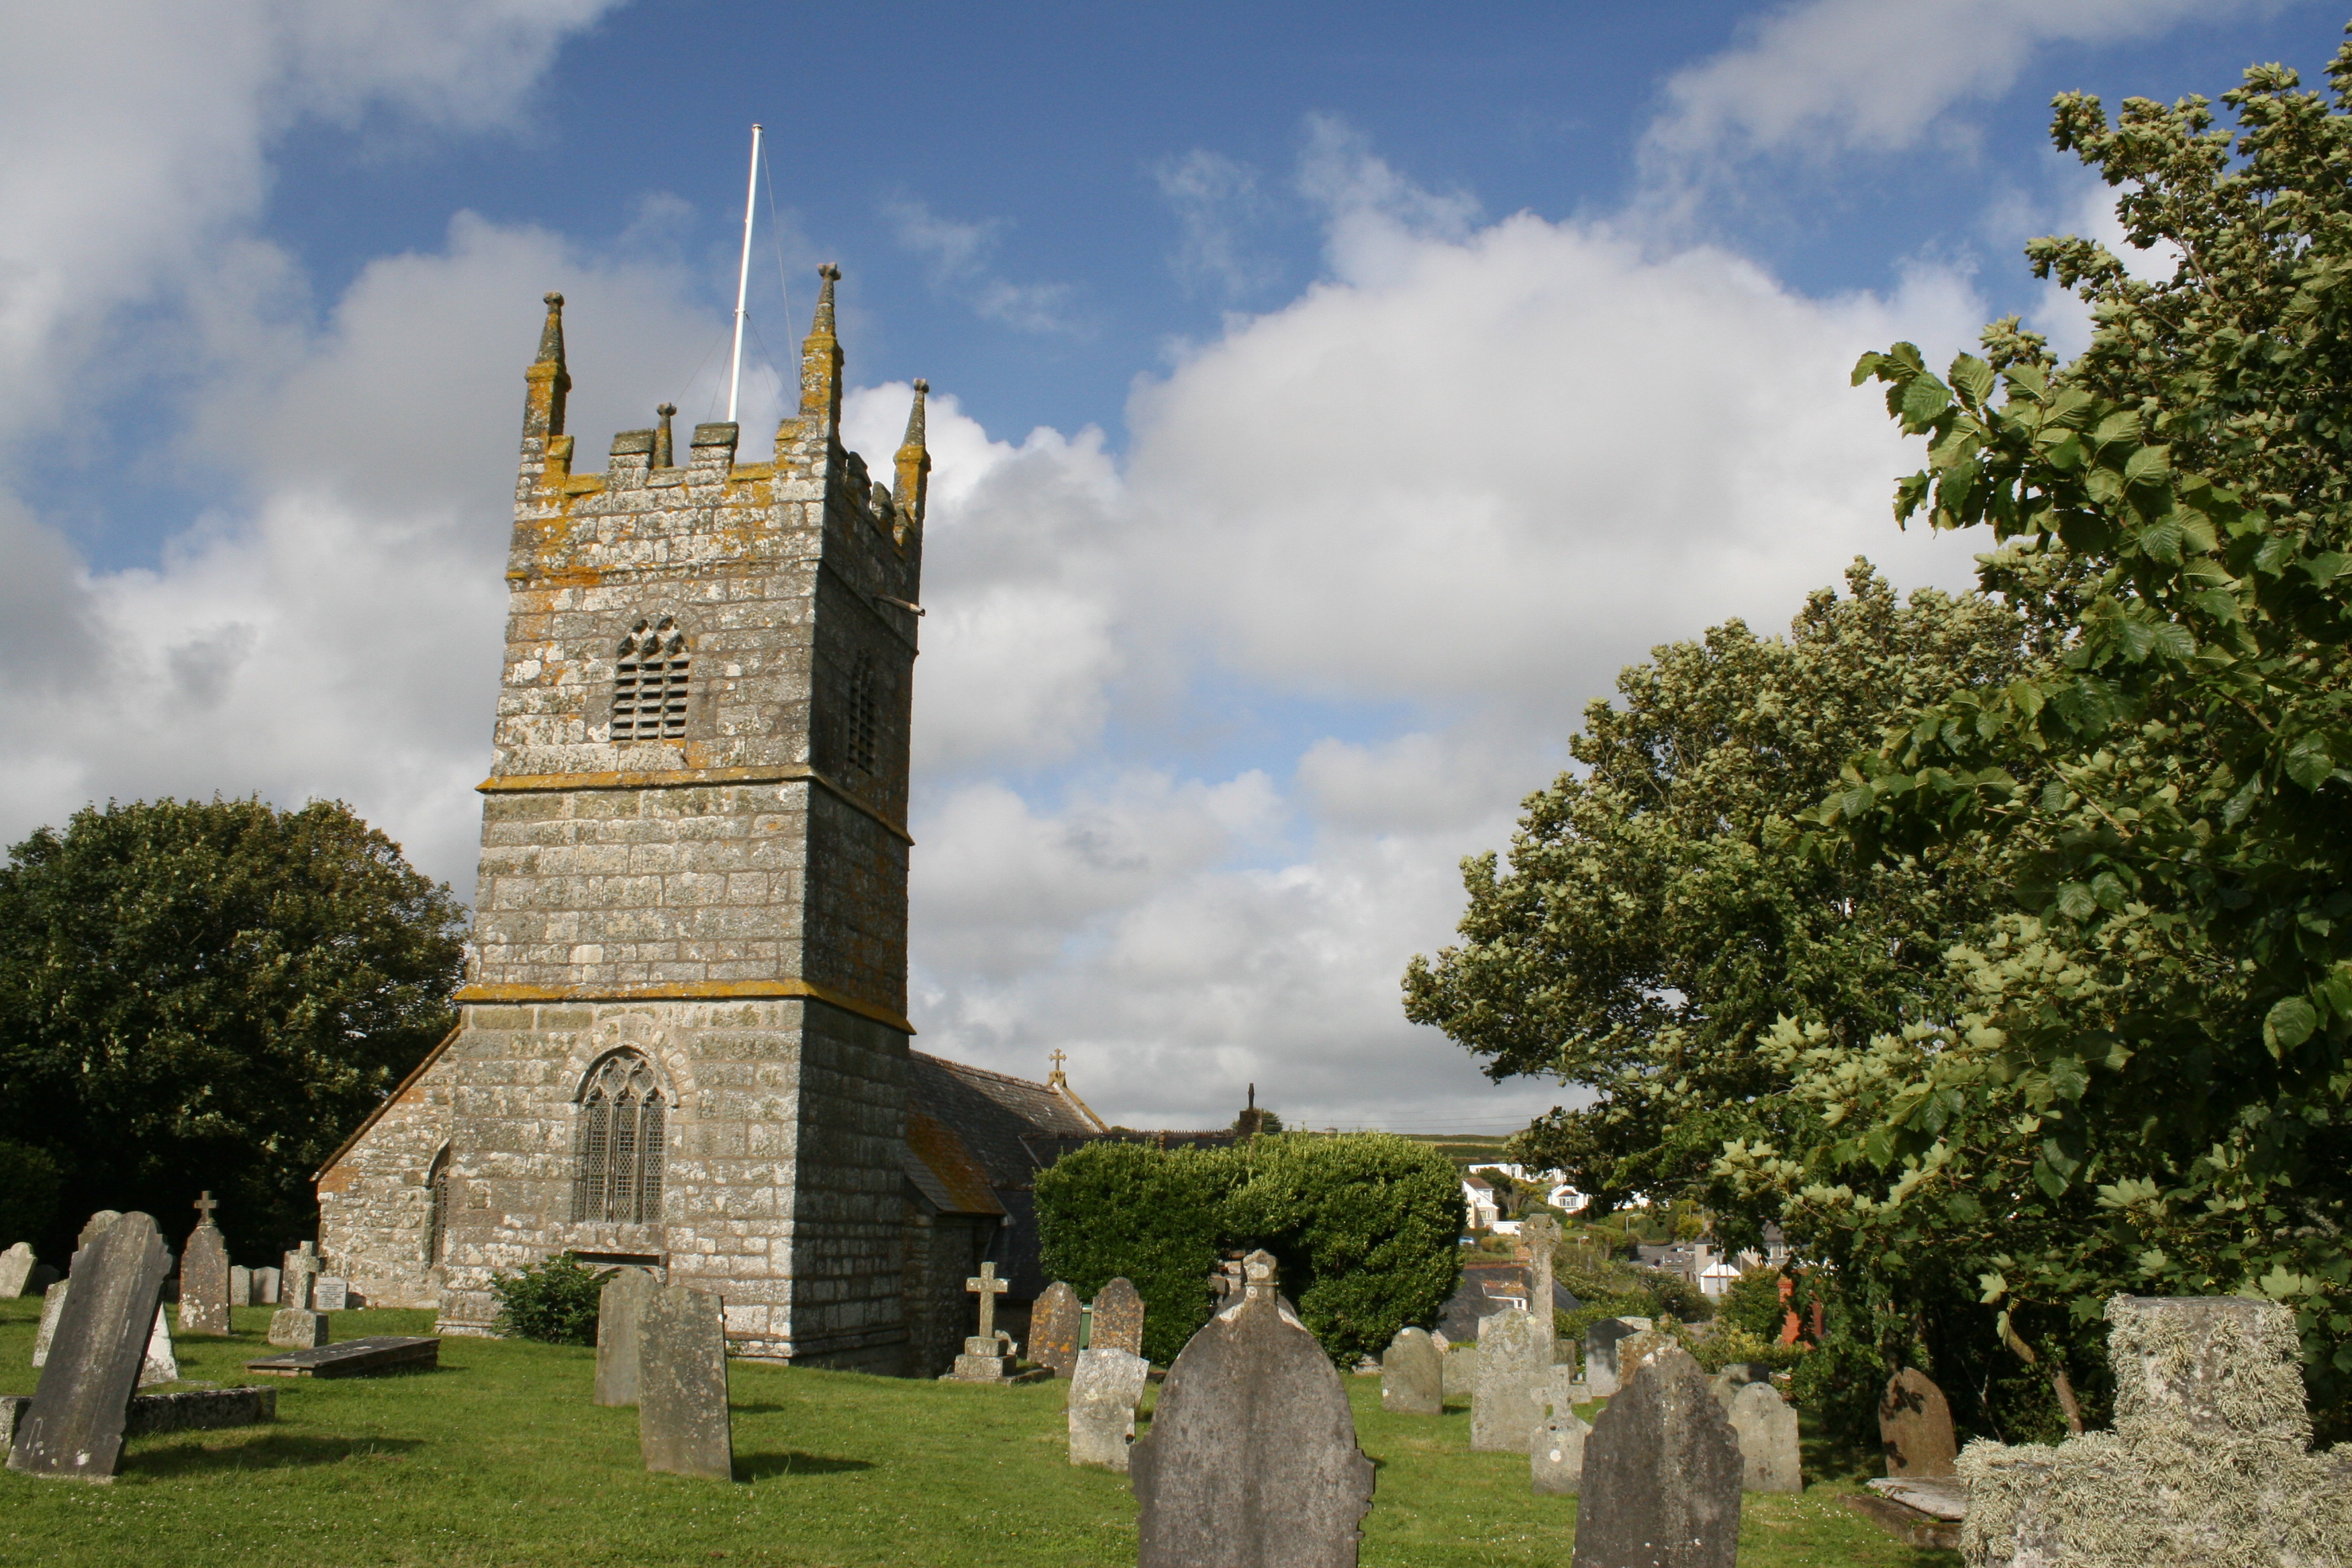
1556 1454
74 1428
355 1358
299 1327
1662 1473
988 1355
1766 1425
297 1278
1736 1376
1105 1387
682 1419
15 1269
91 1230
1601 1370
264 1287
205 1276
1252 1461
1914 1427
1413 1375
1514 1376
1118 1318
160 1365
1054 1329
331 1294
53 1304
620 1331
1461 1372
240 1284
2209 1460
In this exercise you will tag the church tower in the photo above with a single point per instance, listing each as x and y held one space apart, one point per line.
683 1041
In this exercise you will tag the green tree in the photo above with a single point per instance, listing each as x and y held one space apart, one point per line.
2145 1090
211 994
1658 915
1114 1208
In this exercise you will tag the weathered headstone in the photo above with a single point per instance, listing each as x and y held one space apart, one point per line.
1601 1370
265 1287
1556 1454
1661 1474
53 1305
94 1227
1766 1427
299 1327
15 1269
354 1358
1514 1376
683 1426
2209 1460
240 1284
297 1278
1914 1427
161 1365
1252 1461
620 1331
1736 1376
1461 1372
74 1428
1054 1329
1105 1387
330 1293
1413 1375
205 1277
1118 1318
988 1355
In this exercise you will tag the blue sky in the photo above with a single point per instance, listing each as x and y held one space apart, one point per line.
1331 399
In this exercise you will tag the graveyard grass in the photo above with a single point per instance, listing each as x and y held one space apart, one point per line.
498 1457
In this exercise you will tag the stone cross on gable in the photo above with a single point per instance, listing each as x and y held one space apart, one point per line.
1542 1233
205 1206
1057 1077
989 1288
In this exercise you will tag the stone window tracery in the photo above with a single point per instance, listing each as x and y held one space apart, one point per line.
618 1148
649 682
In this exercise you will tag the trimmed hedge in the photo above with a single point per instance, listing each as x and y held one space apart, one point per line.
1364 1227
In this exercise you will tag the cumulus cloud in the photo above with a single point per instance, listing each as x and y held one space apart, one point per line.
1217 200
961 256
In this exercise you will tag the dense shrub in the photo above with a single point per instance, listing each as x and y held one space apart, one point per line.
553 1302
1153 1215
1753 1303
1366 1229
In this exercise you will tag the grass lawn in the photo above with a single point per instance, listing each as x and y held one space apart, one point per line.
498 1457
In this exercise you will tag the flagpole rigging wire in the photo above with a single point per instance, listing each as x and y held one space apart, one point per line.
743 274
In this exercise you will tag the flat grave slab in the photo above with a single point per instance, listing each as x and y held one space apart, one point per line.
354 1358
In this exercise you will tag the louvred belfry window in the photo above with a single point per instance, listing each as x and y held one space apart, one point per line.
864 724
618 1148
649 682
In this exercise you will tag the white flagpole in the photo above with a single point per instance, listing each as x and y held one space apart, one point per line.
743 278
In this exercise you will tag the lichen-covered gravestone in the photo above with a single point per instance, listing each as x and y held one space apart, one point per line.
1601 1370
988 1355
1413 1375
240 1284
1252 1461
331 1293
1118 1318
1662 1475
1105 1388
1514 1377
15 1269
1766 1425
2208 1465
1556 1452
1914 1427
1054 1329
92 1228
74 1428
205 1276
1461 1372
295 1326
620 1333
682 1425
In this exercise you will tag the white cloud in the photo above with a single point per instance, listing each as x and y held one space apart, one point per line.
1216 200
961 255
1827 78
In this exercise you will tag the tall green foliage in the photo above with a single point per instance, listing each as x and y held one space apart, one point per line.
211 994
1365 1228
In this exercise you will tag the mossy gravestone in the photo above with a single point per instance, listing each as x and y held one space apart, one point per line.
620 1331
1767 1428
1054 1330
74 1428
1104 1392
203 1277
1914 1427
1118 1319
1252 1461
1662 1473
682 1419
1514 1379
1413 1375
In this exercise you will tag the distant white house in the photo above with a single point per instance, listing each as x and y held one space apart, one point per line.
1717 1277
1478 1198
1557 1191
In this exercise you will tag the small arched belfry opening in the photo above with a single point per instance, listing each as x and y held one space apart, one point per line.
618 1147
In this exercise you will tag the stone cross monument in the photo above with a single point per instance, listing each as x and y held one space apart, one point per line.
987 1355
1542 1236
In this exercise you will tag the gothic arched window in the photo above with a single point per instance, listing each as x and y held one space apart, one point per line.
618 1148
862 714
436 1187
649 680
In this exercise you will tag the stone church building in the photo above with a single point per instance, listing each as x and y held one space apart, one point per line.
683 1040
